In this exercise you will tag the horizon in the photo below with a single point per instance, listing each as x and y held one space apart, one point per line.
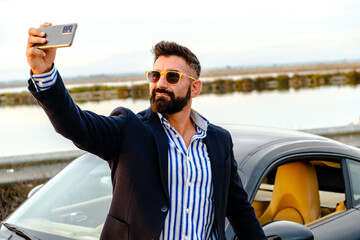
205 71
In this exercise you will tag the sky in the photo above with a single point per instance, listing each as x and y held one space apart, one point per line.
115 37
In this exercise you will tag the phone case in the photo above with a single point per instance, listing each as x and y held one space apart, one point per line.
59 35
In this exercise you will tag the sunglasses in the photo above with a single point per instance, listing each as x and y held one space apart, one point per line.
172 77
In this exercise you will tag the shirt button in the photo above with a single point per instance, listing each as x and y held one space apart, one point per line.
164 209
186 237
189 184
187 210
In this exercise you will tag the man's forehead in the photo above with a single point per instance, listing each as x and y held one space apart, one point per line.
170 63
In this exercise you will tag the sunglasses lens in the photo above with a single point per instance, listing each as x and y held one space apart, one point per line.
154 76
173 77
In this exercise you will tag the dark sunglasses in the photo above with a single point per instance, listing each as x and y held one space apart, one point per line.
172 77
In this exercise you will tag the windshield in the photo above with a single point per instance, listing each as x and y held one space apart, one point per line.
73 204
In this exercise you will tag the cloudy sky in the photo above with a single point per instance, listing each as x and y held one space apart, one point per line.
115 37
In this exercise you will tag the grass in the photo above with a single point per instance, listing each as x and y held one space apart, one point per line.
11 196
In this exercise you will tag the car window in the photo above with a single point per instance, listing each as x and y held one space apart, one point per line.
354 173
302 191
74 204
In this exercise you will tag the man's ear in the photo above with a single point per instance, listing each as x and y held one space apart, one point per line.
196 88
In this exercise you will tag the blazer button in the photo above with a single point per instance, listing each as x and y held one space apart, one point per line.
164 209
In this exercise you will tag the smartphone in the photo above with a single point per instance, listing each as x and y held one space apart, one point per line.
59 36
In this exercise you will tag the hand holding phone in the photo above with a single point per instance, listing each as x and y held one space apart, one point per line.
58 36
42 44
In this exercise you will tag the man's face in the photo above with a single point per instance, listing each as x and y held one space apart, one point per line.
164 97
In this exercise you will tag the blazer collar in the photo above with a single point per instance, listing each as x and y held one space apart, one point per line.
212 142
151 118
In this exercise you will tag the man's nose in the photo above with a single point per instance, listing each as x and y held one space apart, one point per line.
162 83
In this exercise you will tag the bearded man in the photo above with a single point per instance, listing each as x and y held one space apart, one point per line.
174 174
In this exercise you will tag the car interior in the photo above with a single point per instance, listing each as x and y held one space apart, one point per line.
301 191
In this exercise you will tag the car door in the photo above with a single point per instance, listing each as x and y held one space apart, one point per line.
346 224
322 193
343 226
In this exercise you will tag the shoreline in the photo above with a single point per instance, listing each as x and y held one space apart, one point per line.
219 83
211 73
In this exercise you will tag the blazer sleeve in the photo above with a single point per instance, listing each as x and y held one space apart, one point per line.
91 132
239 211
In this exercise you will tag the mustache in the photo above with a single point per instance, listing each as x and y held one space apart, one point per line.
159 90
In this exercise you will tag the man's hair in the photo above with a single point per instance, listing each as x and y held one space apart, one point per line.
166 49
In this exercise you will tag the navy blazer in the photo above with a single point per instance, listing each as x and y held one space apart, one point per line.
136 146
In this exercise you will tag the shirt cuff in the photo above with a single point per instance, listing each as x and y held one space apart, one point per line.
45 81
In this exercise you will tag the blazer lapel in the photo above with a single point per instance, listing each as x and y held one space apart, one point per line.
217 166
162 145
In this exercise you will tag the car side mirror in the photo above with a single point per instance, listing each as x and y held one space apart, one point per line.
286 230
34 190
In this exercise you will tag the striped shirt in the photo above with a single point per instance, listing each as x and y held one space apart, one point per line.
191 213
44 81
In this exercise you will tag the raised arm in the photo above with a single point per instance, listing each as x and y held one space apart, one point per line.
40 61
91 132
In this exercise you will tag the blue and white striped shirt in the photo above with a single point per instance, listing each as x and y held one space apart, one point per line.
191 213
44 81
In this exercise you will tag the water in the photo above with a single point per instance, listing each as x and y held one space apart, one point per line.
26 129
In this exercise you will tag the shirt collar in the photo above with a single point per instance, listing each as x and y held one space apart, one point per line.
197 119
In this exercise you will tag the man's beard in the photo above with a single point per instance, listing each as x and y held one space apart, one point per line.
171 106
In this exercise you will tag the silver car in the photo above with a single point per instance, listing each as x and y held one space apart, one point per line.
301 186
